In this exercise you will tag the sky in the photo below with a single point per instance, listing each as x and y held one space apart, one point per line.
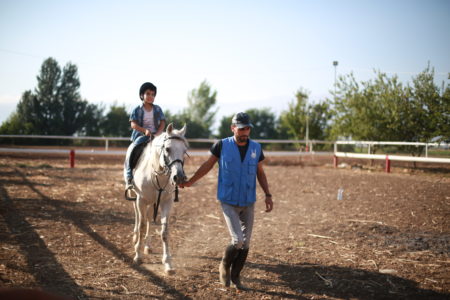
255 54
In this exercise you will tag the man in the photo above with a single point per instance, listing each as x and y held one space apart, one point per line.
240 164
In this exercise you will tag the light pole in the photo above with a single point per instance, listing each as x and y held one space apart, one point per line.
307 130
335 63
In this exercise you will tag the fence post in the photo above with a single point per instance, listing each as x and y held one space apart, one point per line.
72 158
335 161
388 165
106 144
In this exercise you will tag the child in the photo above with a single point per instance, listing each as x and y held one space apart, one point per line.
147 120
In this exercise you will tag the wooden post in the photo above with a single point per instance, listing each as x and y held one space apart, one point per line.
335 161
72 158
388 165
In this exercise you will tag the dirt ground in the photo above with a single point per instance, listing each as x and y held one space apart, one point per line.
69 231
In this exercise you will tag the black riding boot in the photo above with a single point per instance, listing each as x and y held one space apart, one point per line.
224 268
236 268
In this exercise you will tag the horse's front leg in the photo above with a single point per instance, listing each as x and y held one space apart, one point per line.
147 245
141 216
165 213
136 222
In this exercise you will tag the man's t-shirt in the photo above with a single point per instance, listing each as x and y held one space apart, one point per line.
216 149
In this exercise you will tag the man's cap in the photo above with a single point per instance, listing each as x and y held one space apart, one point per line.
241 120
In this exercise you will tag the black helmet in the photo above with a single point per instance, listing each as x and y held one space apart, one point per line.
146 86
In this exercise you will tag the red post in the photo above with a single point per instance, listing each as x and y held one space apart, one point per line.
388 165
335 161
72 158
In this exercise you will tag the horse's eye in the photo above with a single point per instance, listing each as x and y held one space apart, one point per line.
168 150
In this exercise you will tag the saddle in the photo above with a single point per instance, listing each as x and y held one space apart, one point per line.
136 153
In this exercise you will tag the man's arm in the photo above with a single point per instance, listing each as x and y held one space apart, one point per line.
262 180
202 171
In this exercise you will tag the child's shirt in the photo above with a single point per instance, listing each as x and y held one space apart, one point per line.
137 115
149 121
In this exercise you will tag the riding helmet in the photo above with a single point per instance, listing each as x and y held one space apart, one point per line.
146 86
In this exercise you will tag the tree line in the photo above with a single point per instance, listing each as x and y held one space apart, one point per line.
380 109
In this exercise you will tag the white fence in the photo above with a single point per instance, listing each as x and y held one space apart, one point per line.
309 146
388 158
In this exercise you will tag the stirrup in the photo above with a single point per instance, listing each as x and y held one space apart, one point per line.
128 193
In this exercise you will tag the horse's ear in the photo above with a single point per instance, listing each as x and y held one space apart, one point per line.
183 130
169 128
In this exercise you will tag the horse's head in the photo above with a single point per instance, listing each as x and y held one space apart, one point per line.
173 150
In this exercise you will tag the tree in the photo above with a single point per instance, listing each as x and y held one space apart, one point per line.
294 119
195 129
264 122
384 110
373 110
116 122
224 127
431 109
200 107
93 121
55 107
301 115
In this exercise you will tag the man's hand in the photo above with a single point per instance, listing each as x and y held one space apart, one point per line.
269 203
185 184
148 132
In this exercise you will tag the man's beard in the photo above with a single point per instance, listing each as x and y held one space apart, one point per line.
242 138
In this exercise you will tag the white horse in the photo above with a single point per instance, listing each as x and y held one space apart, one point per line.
157 172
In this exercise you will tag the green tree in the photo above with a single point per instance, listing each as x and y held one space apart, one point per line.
319 120
116 122
294 119
224 127
365 111
385 110
301 115
200 108
195 129
93 121
55 107
431 108
264 122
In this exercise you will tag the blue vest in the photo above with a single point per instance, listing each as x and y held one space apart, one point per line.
237 180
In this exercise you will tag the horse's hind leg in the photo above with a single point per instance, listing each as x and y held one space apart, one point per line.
141 216
167 258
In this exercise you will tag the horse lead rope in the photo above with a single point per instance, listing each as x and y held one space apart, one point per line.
156 205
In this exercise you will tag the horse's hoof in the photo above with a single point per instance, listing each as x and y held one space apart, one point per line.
147 250
170 272
137 261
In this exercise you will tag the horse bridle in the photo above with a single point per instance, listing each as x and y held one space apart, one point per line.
167 162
